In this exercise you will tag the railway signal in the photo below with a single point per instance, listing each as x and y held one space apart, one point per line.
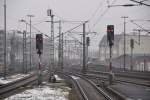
132 43
132 46
88 41
110 34
110 39
39 43
39 48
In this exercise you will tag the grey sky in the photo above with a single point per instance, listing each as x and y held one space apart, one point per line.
75 10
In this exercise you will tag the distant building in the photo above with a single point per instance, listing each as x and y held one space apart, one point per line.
141 48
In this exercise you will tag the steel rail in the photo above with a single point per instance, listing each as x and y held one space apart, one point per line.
16 84
83 94
99 90
105 78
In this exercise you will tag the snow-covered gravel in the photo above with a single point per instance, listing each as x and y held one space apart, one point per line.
48 91
74 77
12 78
57 78
42 93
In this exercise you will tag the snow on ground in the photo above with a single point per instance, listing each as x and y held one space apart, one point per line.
12 78
74 77
58 78
42 93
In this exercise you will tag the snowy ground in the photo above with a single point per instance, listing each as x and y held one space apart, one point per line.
48 91
74 77
42 93
12 78
58 78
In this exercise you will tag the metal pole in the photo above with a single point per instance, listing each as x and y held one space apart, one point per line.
30 43
87 54
51 68
110 62
30 40
5 39
131 58
84 50
59 47
23 52
52 42
81 52
124 17
39 71
62 51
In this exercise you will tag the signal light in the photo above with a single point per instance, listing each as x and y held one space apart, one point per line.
110 34
88 41
132 43
39 43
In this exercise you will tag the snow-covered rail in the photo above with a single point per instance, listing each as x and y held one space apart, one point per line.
6 88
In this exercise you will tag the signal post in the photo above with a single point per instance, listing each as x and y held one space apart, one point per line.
110 40
39 48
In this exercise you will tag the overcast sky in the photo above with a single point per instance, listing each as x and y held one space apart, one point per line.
76 10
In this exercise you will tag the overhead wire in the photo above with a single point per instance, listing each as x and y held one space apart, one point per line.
105 11
71 29
140 26
98 7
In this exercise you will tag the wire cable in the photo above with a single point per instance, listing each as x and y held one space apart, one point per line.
98 7
139 26
106 10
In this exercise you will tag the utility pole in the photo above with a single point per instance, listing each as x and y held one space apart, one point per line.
13 50
24 53
139 32
24 47
30 16
49 13
5 63
124 62
60 48
87 49
84 49
23 63
62 51
81 51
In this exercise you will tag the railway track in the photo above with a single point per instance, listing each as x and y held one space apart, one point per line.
88 90
128 74
138 75
120 86
132 77
7 89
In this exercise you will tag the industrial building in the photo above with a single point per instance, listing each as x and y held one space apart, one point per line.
140 51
